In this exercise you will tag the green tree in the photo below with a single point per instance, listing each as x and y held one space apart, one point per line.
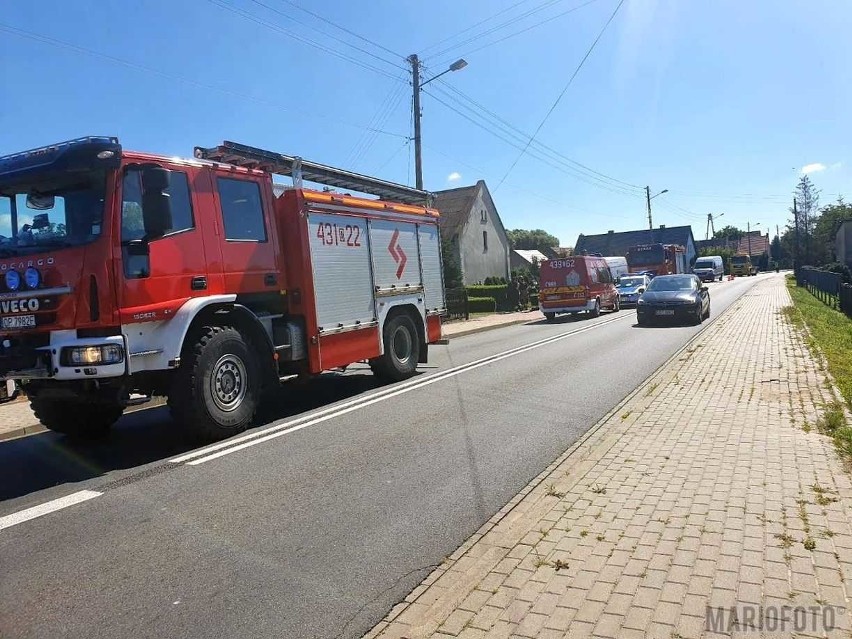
807 203
825 230
728 233
452 268
536 239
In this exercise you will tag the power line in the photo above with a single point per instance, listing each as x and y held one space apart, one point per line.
529 28
512 21
295 36
473 26
517 139
379 120
326 34
564 90
524 135
534 153
177 78
344 29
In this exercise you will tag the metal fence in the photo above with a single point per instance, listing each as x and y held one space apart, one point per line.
827 287
457 306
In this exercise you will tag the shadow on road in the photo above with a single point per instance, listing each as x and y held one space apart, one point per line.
33 463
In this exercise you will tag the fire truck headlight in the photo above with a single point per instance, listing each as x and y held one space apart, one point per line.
93 355
13 280
32 277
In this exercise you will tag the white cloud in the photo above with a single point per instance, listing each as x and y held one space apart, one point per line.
454 176
836 166
813 168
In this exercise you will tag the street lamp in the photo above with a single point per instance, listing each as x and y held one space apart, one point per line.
415 82
648 198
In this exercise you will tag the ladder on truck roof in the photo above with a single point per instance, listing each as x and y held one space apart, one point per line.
299 169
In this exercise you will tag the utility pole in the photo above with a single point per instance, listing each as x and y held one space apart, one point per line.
796 246
748 235
418 161
648 202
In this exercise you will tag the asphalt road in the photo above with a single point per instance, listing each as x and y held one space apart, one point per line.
318 522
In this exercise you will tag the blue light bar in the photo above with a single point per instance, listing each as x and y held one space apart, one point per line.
73 154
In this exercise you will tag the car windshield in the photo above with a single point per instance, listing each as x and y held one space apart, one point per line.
739 259
672 284
631 282
704 264
54 213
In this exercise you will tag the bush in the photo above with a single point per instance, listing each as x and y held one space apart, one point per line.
841 269
500 293
495 281
534 300
481 305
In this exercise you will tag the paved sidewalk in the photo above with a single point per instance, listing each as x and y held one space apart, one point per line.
497 320
706 487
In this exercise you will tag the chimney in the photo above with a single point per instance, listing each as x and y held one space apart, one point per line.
662 226
610 232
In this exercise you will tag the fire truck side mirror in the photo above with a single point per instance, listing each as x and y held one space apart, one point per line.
156 204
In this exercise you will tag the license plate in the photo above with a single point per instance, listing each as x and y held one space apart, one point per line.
665 312
19 321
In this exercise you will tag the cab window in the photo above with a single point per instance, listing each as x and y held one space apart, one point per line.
242 212
132 221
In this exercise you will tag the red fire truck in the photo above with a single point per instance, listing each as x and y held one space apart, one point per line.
656 259
199 279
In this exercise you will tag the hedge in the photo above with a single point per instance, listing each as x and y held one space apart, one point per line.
499 292
534 301
481 305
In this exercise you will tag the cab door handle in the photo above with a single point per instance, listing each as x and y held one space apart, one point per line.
199 283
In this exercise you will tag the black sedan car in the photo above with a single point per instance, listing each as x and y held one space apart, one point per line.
674 297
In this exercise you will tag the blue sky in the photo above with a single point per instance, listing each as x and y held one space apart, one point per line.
723 103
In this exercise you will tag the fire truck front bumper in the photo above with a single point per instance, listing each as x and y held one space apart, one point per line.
61 356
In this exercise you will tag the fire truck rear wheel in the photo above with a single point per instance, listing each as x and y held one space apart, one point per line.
550 317
217 388
402 350
75 418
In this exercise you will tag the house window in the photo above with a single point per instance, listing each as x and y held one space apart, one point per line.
483 217
485 241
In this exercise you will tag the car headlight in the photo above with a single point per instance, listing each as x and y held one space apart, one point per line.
640 301
13 280
32 277
92 355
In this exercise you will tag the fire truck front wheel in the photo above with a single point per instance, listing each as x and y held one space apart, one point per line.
402 350
77 419
217 388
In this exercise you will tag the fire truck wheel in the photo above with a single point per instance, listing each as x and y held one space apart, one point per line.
217 388
596 310
75 418
402 350
550 316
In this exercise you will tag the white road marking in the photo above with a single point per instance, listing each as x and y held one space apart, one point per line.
46 508
231 446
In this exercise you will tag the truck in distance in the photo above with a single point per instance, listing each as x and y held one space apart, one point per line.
657 259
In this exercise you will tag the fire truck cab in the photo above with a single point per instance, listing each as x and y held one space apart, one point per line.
202 280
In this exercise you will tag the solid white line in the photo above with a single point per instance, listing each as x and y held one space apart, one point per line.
369 401
46 508
333 410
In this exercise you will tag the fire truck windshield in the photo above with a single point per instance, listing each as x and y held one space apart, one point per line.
647 256
52 213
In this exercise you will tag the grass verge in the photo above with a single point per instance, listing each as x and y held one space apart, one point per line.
830 332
